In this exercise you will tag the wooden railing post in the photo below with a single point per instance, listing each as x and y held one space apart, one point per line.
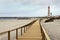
29 26
21 31
24 29
8 35
41 28
16 33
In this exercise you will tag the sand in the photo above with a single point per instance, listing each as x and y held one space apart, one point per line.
9 25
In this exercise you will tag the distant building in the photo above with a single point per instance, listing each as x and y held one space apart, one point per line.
51 14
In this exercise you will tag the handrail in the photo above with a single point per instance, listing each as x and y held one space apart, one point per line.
45 36
8 31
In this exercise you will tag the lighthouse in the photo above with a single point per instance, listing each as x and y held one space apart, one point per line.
48 10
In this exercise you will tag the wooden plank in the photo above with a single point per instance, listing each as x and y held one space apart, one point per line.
33 33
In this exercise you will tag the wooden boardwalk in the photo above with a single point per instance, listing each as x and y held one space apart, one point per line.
33 33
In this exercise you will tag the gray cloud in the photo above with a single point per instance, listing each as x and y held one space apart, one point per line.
57 3
28 7
35 2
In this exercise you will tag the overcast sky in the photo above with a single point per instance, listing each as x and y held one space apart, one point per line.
28 7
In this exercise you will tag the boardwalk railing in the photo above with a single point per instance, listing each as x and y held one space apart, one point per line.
43 32
25 28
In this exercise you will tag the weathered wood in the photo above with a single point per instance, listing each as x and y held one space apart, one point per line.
24 29
33 33
16 33
21 31
8 35
17 30
44 34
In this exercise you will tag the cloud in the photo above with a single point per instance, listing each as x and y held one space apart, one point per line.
35 2
28 7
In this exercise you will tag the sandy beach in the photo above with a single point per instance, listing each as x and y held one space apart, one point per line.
9 25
